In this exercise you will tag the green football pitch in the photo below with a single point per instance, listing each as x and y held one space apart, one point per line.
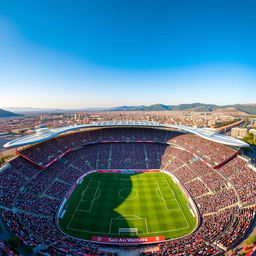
127 205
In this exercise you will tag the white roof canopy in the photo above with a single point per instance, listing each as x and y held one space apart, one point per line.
47 133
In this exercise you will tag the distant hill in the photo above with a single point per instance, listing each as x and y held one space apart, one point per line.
5 113
158 107
127 108
198 107
155 107
247 108
239 109
230 111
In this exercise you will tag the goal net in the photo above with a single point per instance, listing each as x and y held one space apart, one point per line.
128 231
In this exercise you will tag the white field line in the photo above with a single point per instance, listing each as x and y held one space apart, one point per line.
136 218
164 231
110 225
119 194
146 224
168 188
165 200
92 201
127 217
93 232
91 180
79 203
178 205
137 178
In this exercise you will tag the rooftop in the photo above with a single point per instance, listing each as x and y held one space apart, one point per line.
47 133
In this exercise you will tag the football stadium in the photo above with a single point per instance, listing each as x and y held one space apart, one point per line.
128 188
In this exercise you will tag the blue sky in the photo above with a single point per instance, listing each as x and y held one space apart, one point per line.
73 54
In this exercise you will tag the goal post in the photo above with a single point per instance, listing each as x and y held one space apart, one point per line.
120 225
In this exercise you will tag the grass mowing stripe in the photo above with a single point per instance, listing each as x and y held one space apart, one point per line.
127 201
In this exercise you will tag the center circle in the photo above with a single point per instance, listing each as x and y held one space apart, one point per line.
128 194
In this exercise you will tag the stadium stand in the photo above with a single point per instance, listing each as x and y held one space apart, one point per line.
225 196
5 250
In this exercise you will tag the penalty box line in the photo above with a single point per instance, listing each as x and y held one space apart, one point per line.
92 201
76 209
130 218
128 179
178 204
172 210
162 197
89 231
104 233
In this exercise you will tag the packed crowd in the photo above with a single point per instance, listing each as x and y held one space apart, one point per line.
217 230
10 183
211 152
216 201
35 230
5 250
36 194
197 188
243 177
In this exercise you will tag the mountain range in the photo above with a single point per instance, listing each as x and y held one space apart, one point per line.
5 113
199 107
239 109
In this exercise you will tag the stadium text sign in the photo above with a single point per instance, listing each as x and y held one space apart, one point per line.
126 240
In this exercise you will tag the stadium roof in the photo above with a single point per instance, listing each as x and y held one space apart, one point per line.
47 133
